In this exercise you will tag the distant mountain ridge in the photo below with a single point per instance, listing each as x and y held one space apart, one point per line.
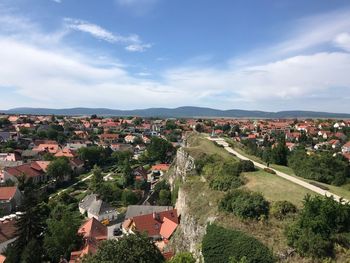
186 112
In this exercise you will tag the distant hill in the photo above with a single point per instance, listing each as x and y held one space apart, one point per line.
186 112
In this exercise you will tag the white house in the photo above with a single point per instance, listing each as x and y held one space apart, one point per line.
97 208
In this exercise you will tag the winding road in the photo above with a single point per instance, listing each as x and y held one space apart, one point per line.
293 179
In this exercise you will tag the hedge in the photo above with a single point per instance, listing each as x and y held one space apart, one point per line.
220 245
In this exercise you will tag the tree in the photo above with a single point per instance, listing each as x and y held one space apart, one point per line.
164 197
183 257
61 237
129 197
199 127
97 179
245 204
280 152
128 249
160 150
94 155
127 174
59 168
30 225
321 224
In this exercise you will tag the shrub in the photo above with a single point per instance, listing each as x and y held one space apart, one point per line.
221 245
270 171
245 204
321 224
246 166
225 183
281 209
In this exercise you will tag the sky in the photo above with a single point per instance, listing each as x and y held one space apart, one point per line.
267 55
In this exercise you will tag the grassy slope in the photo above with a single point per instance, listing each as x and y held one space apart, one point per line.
275 188
338 190
203 201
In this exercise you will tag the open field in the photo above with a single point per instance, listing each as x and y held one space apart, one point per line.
199 145
343 191
275 188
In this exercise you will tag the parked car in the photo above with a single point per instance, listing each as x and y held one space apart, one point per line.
117 232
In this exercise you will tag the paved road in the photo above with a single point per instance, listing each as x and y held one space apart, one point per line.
293 179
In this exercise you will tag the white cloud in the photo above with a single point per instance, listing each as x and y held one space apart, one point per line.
133 41
138 47
343 41
54 75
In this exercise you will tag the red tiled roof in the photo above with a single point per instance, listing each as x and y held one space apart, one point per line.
7 193
161 167
168 227
27 169
152 223
93 229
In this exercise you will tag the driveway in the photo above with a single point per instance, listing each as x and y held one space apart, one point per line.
293 179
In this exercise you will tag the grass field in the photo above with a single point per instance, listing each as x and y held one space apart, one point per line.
199 145
275 188
343 191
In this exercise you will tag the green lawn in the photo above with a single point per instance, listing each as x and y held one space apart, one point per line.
199 145
343 191
275 188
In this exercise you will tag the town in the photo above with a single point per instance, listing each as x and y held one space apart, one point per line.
70 183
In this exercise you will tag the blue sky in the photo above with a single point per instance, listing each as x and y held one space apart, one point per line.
126 54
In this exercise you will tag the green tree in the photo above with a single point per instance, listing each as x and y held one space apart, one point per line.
61 236
321 224
245 204
160 150
97 179
164 197
129 197
183 257
59 168
128 249
129 179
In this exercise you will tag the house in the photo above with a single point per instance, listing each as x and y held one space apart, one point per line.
35 170
290 145
6 136
346 147
140 173
77 165
49 148
334 143
92 232
109 138
157 225
138 210
10 199
65 152
97 208
130 138
7 233
161 167
10 159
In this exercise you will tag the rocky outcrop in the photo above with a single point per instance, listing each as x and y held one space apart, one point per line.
190 233
184 164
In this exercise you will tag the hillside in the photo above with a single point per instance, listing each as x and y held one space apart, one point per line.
185 112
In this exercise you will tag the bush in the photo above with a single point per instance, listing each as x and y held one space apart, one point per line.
183 257
321 224
221 245
245 204
246 166
270 171
225 183
281 209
